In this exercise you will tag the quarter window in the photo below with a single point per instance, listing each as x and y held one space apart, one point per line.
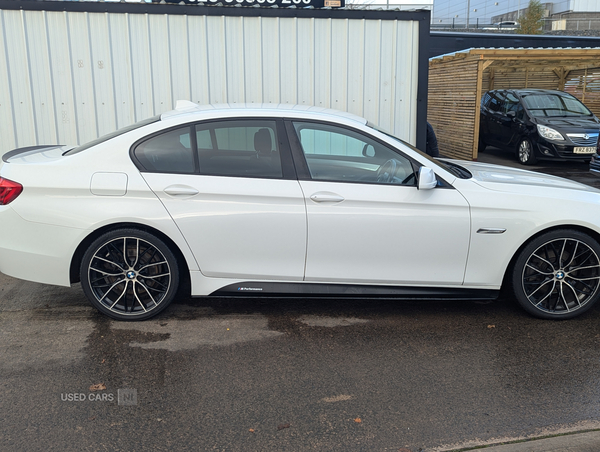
336 154
169 152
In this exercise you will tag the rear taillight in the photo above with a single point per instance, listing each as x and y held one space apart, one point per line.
9 190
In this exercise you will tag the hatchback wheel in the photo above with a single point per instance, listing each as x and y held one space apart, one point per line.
525 152
557 275
129 274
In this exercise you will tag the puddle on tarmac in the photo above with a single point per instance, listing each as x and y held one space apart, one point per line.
209 330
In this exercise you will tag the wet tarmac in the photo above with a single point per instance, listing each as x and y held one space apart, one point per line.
291 375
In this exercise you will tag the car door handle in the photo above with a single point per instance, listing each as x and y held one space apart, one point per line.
326 197
180 190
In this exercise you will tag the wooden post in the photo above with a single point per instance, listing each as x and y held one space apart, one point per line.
480 69
585 79
562 75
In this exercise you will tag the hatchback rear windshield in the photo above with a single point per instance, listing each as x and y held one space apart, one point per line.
108 136
554 105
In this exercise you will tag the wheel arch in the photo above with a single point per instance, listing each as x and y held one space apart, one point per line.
508 271
85 243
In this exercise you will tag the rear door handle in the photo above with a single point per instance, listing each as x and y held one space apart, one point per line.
326 197
180 190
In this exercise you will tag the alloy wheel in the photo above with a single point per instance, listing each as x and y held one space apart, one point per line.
561 276
525 151
129 276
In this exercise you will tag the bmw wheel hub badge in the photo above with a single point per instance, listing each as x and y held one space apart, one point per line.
130 274
560 275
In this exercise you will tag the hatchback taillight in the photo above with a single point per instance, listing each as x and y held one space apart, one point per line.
9 190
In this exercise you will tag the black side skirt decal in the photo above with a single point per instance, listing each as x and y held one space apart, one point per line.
275 289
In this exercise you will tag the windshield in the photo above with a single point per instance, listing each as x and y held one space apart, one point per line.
108 136
554 105
455 169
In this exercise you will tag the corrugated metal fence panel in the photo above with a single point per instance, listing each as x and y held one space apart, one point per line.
69 77
7 125
61 75
21 101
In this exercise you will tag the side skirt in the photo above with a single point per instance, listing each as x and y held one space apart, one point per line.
275 289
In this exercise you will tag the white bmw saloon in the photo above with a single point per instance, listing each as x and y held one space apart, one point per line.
290 201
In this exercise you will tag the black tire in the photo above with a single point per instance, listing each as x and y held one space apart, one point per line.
557 275
525 152
129 274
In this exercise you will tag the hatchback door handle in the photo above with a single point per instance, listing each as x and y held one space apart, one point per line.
181 190
326 197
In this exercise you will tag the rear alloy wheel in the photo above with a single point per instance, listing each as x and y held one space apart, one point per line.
525 152
557 275
129 274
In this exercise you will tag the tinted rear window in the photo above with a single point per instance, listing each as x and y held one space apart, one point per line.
111 135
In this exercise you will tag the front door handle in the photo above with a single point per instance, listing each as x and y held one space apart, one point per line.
326 197
180 190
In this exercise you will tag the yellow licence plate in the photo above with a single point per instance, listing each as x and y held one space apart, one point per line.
584 150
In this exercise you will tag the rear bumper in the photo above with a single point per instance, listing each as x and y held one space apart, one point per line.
34 251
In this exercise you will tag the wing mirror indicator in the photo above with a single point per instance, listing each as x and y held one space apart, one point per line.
427 179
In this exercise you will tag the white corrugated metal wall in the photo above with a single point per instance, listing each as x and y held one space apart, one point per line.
69 77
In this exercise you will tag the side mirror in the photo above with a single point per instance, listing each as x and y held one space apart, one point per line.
427 179
368 151
511 114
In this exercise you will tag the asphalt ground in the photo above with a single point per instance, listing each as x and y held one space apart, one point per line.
296 375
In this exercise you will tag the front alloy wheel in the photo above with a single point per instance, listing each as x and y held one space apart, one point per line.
557 276
525 152
129 274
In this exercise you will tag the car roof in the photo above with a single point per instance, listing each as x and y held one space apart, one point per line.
187 108
527 91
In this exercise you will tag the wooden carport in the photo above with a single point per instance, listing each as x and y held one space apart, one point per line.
458 80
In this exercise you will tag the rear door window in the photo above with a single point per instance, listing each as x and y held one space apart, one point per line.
496 102
245 148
